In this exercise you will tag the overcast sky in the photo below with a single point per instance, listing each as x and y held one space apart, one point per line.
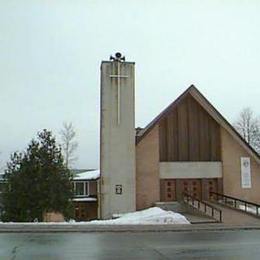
50 54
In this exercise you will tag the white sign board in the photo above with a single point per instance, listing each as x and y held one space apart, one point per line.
245 173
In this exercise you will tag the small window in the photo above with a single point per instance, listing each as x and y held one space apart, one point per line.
79 188
86 189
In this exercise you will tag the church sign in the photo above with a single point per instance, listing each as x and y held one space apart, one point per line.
119 189
245 173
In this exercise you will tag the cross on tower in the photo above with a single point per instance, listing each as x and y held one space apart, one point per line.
118 76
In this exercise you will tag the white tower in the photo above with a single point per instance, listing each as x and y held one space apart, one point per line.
117 134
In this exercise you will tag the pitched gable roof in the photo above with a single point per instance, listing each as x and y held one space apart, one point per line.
196 94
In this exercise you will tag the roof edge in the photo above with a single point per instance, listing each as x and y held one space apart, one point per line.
149 126
204 102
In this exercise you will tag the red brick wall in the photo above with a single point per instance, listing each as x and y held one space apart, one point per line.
147 170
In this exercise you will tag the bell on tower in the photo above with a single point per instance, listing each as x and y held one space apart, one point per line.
118 57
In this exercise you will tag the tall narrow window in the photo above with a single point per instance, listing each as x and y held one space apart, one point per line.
86 188
79 188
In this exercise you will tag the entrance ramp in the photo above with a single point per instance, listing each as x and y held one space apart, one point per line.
234 216
193 216
235 210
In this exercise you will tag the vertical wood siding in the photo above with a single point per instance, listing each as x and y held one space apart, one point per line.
189 133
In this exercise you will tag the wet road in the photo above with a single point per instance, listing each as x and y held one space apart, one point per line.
149 245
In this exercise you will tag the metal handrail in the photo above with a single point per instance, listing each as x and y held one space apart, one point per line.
236 202
203 206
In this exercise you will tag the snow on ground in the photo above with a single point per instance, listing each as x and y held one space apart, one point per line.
152 216
88 175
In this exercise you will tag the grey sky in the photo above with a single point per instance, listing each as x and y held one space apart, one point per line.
50 54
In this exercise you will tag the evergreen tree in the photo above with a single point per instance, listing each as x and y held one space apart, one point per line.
37 182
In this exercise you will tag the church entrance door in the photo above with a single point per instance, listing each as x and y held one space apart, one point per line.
168 190
209 185
192 187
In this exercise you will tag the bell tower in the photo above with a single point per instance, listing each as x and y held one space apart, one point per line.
117 137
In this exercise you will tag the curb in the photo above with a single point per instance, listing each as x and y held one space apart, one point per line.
56 228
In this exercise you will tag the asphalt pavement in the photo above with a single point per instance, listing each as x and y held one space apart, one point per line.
240 244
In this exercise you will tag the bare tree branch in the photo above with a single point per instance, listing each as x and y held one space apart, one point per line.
249 128
68 143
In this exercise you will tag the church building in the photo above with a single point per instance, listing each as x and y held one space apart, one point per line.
188 148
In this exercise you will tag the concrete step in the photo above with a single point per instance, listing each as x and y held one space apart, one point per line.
199 219
174 206
194 216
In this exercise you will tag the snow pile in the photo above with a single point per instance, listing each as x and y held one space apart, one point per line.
88 175
151 216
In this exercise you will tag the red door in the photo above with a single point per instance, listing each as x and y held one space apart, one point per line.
168 190
192 187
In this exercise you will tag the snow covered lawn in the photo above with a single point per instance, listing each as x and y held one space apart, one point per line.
150 216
